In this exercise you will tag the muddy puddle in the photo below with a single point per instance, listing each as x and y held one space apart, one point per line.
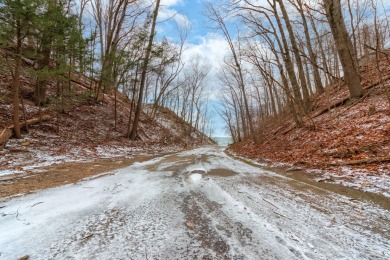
216 173
174 163
178 164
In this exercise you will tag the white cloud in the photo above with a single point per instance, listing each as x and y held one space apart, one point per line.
169 3
167 14
212 48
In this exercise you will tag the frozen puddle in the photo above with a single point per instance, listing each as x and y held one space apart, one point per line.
199 204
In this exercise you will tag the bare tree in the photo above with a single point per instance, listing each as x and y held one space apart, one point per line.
170 66
216 17
195 80
298 60
115 20
312 55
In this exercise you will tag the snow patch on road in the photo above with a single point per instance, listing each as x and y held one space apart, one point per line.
196 178
31 223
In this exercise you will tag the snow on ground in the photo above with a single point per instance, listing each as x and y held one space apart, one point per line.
360 179
196 177
17 158
153 210
347 176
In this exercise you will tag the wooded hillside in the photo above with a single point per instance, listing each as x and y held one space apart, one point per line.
96 51
307 84
86 129
345 140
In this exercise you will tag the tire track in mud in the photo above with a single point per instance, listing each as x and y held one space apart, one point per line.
220 234
207 224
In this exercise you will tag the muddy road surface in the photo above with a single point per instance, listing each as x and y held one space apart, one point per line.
198 204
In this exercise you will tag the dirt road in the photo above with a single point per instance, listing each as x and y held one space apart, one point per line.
199 204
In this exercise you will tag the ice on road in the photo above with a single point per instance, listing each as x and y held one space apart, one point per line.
198 204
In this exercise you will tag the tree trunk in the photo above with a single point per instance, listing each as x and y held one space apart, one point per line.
5 135
285 86
313 57
308 79
16 90
344 47
298 60
288 62
322 52
354 43
39 95
133 134
8 132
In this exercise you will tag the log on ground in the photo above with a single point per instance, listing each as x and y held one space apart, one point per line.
8 132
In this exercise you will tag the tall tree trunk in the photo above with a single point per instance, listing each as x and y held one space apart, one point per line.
354 43
133 134
313 57
16 78
288 61
298 60
344 47
308 79
285 85
236 113
272 97
322 51
132 100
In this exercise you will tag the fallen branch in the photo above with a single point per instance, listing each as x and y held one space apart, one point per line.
8 132
34 121
5 136
87 237
345 99
270 203
334 105
281 215
37 204
363 161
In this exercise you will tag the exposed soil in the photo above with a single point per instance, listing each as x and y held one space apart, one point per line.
221 173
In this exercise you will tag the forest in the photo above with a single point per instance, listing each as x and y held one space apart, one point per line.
107 47
289 52
302 71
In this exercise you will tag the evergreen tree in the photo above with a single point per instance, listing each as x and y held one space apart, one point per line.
17 19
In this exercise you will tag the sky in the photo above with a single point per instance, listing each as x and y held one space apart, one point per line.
203 40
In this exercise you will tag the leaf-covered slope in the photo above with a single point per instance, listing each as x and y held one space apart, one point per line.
81 129
348 139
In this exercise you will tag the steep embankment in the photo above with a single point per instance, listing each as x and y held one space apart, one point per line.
344 140
84 130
